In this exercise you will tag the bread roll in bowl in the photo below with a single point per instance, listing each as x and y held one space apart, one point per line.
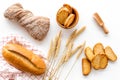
23 59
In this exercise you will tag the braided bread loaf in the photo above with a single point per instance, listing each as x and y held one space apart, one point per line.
37 26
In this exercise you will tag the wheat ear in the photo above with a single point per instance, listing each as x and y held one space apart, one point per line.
68 51
58 43
71 37
79 53
79 31
50 51
58 66
75 50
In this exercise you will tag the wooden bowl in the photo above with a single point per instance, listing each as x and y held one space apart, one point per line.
74 23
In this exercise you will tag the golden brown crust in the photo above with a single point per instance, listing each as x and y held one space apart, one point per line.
104 61
110 54
62 15
86 66
98 48
89 53
99 61
69 20
23 59
68 7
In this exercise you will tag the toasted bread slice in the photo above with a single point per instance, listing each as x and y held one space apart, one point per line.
89 53
110 54
99 61
69 20
62 15
68 7
103 61
98 48
86 66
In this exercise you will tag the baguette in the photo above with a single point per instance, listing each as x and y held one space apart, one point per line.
23 59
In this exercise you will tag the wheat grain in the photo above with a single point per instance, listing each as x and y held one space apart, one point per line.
71 37
58 44
80 51
62 60
79 32
50 51
68 51
75 50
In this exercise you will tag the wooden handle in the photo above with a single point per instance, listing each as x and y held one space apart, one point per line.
100 22
105 29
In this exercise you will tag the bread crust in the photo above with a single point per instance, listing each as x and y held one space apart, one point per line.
69 20
23 59
100 61
62 15
110 54
86 66
98 48
89 53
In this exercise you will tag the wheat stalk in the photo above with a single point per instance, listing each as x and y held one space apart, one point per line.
75 34
71 37
62 60
50 52
79 32
49 57
55 44
69 45
78 55
75 50
58 44
53 51
57 48
68 51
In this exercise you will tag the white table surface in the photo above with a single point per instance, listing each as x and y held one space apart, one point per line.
108 10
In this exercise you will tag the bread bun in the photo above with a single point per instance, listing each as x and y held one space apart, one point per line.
23 59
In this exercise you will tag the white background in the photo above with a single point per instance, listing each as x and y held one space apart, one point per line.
108 10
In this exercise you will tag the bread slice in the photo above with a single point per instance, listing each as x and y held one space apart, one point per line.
100 61
68 7
103 61
86 66
62 15
98 48
69 20
89 53
110 54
